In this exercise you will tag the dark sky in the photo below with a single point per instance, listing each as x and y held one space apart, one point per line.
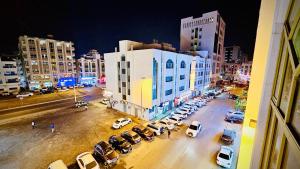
100 24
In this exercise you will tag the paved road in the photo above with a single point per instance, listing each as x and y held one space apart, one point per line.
78 131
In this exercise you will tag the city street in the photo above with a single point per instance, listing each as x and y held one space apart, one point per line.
78 131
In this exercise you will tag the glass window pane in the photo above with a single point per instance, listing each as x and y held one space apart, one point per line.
296 41
286 88
294 11
280 73
275 147
290 160
295 114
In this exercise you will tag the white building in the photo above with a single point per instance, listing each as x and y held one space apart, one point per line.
91 68
205 33
200 73
147 79
9 80
45 61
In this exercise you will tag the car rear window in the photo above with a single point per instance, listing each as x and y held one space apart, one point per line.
224 156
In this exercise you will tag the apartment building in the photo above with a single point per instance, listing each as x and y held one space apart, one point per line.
231 70
45 60
205 33
233 54
271 128
200 73
9 80
145 80
91 68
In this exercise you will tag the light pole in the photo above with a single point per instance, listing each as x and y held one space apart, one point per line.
142 79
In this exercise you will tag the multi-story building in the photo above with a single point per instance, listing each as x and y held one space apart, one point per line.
45 61
147 79
231 70
9 79
271 128
205 33
200 73
91 68
233 54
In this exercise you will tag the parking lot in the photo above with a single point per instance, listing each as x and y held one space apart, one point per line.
78 131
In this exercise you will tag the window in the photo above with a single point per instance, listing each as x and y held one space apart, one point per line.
119 90
123 71
201 74
123 84
123 58
169 64
182 77
128 64
124 97
182 64
181 88
168 92
128 91
128 78
169 78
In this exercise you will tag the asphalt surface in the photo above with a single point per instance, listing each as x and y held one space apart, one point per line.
78 131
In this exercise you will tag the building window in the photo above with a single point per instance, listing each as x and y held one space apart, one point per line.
182 64
169 64
123 71
128 91
201 73
123 84
128 78
119 90
181 88
128 64
123 58
168 92
155 79
124 97
182 77
169 78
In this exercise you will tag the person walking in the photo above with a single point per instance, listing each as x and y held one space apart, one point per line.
52 127
169 133
33 124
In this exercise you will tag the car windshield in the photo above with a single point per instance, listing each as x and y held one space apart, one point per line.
162 122
193 127
135 136
109 150
224 156
145 130
91 165
173 118
117 121
120 140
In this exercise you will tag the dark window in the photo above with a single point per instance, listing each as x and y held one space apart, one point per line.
123 71
128 64
168 92
123 58
169 78
182 64
169 64
200 29
182 77
181 88
128 78
124 97
128 92
119 90
123 84
216 43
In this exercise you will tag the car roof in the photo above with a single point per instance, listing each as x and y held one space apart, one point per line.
225 150
195 123
120 119
58 164
86 158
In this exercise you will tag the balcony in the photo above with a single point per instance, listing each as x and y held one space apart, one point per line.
9 66
10 74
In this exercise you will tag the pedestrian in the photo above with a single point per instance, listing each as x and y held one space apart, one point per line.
33 124
169 133
52 127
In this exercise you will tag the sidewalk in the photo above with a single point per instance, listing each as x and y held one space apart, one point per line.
163 115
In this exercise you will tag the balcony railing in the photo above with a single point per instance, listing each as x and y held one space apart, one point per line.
9 66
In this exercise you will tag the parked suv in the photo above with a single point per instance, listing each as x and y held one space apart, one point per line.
194 129
80 104
167 124
228 136
131 137
120 144
175 120
225 156
235 116
156 129
106 153
144 132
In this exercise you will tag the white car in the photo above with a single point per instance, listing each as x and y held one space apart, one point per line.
157 129
191 104
121 122
24 94
180 114
175 120
58 164
5 93
167 124
191 108
87 161
194 129
225 156
104 101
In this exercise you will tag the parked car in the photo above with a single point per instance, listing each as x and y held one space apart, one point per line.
5 93
45 90
228 136
175 120
167 124
194 129
233 96
87 161
106 153
121 122
225 156
235 116
192 109
120 144
183 113
156 129
104 101
131 137
24 94
63 89
80 104
58 164
193 106
144 132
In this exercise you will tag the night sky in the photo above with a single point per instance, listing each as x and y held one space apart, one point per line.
100 24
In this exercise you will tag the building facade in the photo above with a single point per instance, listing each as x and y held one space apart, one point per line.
200 73
271 129
231 70
145 80
233 54
9 79
205 33
45 61
91 68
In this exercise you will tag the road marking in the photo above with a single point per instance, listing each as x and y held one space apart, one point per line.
30 105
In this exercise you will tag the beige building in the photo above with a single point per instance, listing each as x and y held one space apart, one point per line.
271 129
9 80
44 61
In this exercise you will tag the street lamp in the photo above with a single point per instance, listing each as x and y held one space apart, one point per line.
142 79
